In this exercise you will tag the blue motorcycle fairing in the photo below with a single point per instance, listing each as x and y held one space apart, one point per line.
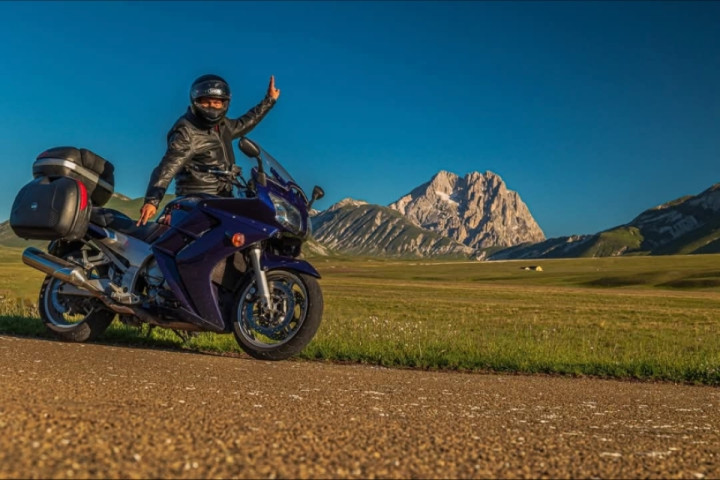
257 212
273 262
167 266
200 238
188 265
183 231
197 261
289 186
288 190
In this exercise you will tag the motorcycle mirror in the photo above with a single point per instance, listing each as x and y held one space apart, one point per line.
317 194
249 148
262 179
252 150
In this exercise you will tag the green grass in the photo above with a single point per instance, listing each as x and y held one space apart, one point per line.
650 318
17 280
608 242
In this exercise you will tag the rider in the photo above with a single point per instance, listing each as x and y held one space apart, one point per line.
201 140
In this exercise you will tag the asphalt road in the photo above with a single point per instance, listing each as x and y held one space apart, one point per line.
74 411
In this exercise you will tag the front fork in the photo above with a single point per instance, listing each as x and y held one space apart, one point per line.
260 277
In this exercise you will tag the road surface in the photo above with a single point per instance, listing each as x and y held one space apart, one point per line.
78 411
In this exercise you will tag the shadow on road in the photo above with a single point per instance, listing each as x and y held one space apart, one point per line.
118 335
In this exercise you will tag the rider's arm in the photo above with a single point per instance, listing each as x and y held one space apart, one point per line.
247 122
179 151
241 126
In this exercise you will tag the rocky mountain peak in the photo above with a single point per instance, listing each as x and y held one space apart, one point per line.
347 202
477 210
443 181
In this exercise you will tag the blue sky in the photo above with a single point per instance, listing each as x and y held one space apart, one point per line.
591 111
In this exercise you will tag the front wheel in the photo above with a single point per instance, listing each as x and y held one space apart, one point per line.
286 326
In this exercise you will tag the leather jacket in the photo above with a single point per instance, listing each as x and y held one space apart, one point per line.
194 147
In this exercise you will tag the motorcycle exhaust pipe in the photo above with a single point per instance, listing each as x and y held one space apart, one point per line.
59 268
67 272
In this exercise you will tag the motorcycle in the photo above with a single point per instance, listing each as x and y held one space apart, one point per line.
207 264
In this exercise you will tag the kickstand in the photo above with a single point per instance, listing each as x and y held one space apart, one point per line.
184 336
149 332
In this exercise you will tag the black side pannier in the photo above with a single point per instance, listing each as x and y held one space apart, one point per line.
95 172
51 208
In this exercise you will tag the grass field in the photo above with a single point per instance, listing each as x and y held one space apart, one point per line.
627 317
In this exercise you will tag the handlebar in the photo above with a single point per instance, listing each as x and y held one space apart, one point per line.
235 176
229 173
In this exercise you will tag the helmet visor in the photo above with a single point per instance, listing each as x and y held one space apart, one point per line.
210 88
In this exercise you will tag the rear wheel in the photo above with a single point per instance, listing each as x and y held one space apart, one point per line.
287 325
70 314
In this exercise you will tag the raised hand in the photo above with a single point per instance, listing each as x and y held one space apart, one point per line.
272 91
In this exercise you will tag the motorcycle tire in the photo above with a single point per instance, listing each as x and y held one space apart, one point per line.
283 331
88 316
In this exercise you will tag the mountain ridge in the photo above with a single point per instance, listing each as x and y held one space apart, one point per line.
360 228
686 225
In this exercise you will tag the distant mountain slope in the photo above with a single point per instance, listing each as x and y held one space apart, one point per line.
683 225
687 225
359 228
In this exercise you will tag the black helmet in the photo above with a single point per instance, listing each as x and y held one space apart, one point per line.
211 86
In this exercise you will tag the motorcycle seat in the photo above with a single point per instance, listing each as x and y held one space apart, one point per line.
109 218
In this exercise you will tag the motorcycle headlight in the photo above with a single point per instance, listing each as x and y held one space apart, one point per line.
287 215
